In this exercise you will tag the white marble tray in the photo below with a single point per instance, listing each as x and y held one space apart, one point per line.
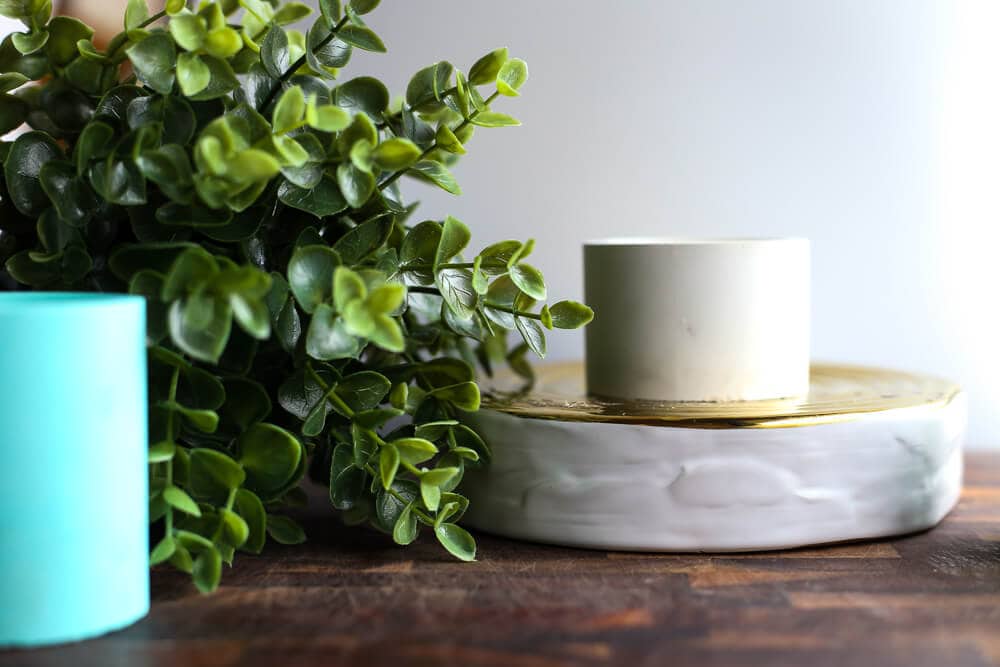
869 453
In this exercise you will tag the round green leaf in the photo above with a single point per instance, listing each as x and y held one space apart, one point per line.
188 30
570 315
249 506
485 69
363 93
396 154
457 541
529 280
310 275
284 530
361 37
511 77
24 162
154 59
193 74
207 570
270 456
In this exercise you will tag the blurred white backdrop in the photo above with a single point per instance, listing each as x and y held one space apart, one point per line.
870 127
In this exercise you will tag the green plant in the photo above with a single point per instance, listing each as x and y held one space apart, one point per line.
250 193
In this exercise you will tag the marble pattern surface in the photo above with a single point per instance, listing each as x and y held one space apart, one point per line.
664 488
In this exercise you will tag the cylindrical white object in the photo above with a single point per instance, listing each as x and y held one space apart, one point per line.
698 320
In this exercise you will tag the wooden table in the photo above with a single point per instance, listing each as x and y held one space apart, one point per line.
350 598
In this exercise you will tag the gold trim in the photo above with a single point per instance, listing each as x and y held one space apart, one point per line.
837 392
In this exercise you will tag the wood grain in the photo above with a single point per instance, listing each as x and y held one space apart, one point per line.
350 598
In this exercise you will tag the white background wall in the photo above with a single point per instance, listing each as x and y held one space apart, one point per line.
870 126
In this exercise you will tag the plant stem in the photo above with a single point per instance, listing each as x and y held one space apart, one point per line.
392 179
152 19
294 67
512 311
172 396
329 394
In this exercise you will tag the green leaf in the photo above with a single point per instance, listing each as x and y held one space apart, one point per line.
455 236
22 167
200 325
532 333
206 421
457 541
274 52
291 13
529 280
136 12
364 239
438 476
193 74
327 117
511 77
363 93
364 6
347 482
464 395
188 30
28 43
414 450
362 38
177 498
347 286
322 201
456 288
405 530
153 59
387 334
270 456
310 275
163 550
431 495
328 338
438 174
424 91
235 530
485 69
213 473
161 451
73 199
364 390
447 140
396 154
64 33
289 111
207 570
571 315
388 464
330 9
355 184
11 80
249 506
284 530
493 119
222 81
421 243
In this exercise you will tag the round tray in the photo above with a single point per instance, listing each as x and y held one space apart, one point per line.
868 453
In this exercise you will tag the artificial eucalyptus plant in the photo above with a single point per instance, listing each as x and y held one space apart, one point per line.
218 163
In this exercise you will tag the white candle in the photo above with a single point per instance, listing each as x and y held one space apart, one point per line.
698 320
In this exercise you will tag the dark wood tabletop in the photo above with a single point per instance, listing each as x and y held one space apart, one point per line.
349 597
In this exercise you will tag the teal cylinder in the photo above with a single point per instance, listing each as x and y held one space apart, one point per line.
74 532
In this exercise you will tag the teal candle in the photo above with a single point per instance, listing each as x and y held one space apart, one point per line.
74 538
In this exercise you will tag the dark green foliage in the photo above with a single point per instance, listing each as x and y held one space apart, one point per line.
297 320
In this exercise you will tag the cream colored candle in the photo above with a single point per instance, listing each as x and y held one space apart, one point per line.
698 320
